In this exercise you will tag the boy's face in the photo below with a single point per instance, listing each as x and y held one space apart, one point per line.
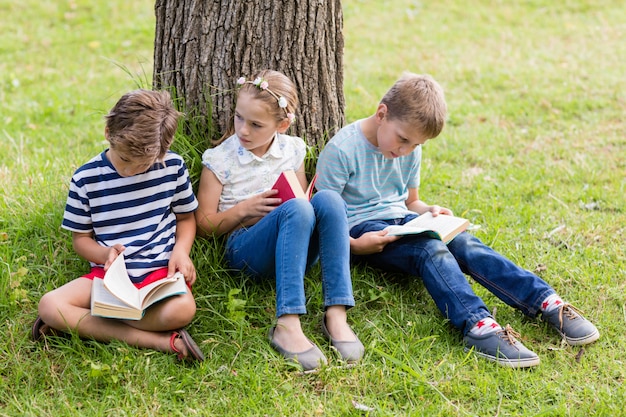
126 165
395 137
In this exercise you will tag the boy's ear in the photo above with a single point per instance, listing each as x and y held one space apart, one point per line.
381 112
283 126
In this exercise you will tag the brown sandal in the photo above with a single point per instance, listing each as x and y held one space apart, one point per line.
193 351
41 330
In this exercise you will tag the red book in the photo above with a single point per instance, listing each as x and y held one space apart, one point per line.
289 187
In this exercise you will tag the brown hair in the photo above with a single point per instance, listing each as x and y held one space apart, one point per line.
278 86
417 100
142 124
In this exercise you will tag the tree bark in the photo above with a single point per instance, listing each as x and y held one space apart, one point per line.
203 46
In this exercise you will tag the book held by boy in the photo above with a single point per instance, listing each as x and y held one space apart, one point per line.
115 295
289 187
442 227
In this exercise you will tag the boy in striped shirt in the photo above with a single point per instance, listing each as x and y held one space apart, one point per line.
135 197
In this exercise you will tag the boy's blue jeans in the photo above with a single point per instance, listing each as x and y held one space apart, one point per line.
289 240
442 269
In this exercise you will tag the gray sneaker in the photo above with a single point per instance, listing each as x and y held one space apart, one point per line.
502 347
568 321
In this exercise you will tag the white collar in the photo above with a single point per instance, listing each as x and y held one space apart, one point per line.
275 151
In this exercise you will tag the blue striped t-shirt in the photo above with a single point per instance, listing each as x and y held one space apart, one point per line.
138 212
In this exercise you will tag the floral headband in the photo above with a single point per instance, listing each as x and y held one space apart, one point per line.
264 85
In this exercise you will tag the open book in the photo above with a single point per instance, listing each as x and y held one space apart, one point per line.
289 187
442 227
115 295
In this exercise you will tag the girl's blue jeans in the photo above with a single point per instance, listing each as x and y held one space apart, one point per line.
288 241
442 269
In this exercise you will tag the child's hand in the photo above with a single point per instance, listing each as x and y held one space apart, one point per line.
114 252
437 210
260 204
371 242
182 263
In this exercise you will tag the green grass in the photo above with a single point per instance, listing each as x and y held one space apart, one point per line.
533 152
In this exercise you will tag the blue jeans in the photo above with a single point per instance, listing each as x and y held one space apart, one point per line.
442 268
288 241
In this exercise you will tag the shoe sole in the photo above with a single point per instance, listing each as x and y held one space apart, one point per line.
309 359
509 363
193 350
585 340
40 330
350 352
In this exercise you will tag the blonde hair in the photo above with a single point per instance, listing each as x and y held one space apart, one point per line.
278 86
417 100
142 124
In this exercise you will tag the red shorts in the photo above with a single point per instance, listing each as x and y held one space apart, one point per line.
97 272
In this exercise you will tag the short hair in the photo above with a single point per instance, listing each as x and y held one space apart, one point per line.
142 124
418 100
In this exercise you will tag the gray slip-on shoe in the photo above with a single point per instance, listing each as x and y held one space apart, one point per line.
309 359
350 351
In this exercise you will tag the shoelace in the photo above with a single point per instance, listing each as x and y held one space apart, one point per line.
507 333
570 312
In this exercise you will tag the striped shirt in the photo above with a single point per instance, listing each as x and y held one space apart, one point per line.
373 187
138 212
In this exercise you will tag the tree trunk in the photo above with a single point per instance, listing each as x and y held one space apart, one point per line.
202 47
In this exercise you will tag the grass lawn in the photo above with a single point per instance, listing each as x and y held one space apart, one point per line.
534 151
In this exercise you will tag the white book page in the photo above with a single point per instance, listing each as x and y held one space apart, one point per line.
117 281
398 230
423 221
441 224
104 296
158 290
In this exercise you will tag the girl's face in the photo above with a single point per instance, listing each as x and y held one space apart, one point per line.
255 126
396 138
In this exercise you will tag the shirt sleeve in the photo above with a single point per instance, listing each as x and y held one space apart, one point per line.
77 216
300 150
184 200
332 169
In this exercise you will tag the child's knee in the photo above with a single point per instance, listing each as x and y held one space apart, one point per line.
298 211
48 308
188 311
328 197
180 311
329 203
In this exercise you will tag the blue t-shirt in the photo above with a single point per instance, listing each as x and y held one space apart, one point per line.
138 212
373 187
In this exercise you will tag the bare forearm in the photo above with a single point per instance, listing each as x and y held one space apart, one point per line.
418 206
185 232
89 249
218 224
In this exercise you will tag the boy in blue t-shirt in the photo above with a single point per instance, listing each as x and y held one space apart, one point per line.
374 164
135 198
